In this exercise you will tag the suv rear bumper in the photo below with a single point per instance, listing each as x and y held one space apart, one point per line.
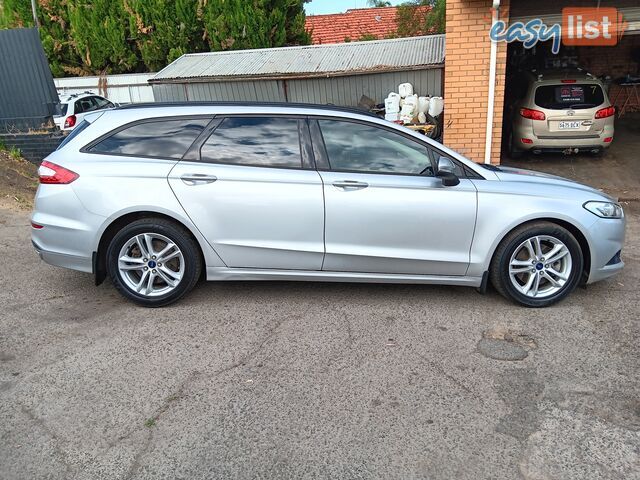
584 142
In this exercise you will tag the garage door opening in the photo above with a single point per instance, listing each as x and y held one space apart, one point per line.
557 117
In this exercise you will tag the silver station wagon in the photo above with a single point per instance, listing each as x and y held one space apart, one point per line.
159 196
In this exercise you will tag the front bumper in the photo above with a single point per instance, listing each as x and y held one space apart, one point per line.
607 236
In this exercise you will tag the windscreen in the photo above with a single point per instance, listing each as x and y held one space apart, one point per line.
569 95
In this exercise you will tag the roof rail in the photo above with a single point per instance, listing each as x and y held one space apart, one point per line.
246 104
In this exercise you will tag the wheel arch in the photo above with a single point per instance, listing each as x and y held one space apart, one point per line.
99 256
572 228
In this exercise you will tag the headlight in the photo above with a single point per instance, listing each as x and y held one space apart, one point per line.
604 209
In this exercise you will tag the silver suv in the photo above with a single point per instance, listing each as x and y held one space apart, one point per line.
561 111
157 197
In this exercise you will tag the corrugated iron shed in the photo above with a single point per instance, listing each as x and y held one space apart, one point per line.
28 96
309 61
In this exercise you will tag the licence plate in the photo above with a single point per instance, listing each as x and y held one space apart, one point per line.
568 125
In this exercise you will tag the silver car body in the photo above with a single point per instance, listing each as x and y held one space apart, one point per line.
257 223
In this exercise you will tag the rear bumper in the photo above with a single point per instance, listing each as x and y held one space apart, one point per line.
549 143
67 233
82 264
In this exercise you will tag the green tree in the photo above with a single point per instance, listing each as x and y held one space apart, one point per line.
99 32
163 30
378 3
86 37
241 24
421 17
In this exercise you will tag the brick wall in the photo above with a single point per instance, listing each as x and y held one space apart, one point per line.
467 78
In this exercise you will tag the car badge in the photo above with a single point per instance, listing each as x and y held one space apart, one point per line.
570 113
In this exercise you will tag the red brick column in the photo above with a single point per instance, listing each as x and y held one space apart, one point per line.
466 84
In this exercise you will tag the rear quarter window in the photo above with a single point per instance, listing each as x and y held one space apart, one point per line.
569 95
157 139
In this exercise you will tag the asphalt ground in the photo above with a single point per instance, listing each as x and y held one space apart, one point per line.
304 380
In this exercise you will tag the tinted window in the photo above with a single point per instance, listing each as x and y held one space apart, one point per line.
164 139
363 148
569 95
63 109
85 105
102 102
257 141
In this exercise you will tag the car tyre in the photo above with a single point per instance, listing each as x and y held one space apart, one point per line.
134 262
513 266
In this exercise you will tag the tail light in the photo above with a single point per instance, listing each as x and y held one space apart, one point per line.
606 112
568 80
532 114
526 140
70 121
51 173
608 140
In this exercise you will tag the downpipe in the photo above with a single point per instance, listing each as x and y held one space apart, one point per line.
493 54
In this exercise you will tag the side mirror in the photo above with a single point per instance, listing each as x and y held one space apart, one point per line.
446 165
449 179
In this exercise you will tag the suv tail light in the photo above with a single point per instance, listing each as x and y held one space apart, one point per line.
606 112
568 80
70 121
532 114
51 173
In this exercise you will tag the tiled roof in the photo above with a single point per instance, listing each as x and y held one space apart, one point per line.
353 24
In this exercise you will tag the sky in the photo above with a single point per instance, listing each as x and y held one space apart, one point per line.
318 7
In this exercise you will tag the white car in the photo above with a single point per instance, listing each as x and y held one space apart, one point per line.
74 107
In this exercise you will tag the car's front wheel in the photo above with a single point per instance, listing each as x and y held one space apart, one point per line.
537 264
153 262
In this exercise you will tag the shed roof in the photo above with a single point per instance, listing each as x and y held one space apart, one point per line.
307 61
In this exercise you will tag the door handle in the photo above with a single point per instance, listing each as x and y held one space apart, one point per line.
197 178
350 184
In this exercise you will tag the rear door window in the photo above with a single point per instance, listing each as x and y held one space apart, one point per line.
254 141
157 139
569 95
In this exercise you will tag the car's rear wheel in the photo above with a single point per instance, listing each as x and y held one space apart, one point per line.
153 262
537 264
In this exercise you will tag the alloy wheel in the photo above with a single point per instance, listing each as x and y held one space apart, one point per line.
151 264
540 266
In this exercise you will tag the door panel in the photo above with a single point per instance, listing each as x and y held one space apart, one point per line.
398 224
254 216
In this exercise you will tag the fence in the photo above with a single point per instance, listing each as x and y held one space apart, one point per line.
129 88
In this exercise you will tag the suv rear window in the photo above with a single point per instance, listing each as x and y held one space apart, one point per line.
158 139
569 95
